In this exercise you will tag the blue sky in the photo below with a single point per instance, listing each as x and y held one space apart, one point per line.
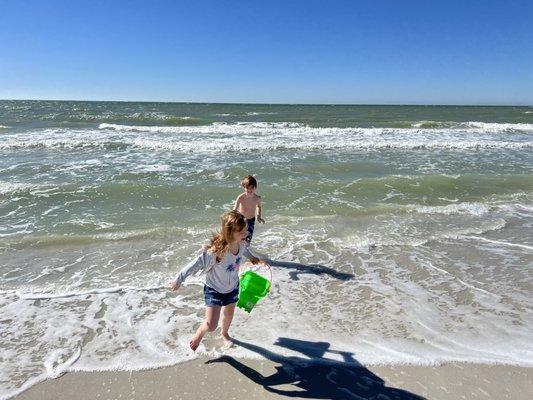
358 52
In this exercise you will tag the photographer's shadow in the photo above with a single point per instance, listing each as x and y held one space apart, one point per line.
315 376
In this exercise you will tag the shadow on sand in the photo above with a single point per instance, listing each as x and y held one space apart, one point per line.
314 269
317 377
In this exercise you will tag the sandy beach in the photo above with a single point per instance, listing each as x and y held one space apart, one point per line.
229 378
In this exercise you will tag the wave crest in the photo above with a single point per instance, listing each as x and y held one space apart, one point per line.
276 136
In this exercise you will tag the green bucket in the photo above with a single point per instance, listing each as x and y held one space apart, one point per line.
252 288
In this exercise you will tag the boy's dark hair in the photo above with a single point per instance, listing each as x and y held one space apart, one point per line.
248 181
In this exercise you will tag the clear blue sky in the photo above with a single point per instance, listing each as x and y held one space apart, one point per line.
379 52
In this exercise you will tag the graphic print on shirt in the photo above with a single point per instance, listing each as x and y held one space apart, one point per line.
232 267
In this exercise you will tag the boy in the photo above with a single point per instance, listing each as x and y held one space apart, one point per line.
249 205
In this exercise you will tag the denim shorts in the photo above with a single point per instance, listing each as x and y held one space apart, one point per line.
214 298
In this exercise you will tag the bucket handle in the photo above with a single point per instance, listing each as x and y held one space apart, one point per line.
264 264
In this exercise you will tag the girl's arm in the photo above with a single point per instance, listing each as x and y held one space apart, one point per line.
250 256
203 261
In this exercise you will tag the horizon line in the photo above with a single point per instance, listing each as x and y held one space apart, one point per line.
284 104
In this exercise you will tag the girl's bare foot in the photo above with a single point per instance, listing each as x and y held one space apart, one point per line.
226 339
195 342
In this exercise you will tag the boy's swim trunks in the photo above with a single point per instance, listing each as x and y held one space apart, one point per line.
251 225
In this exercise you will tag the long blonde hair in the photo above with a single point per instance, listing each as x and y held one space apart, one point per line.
232 221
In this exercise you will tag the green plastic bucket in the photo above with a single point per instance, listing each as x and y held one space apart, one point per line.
252 288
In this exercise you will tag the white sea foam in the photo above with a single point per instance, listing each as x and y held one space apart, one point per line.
293 144
499 127
460 208
251 127
490 226
260 113
220 138
475 126
503 243
118 289
153 168
13 187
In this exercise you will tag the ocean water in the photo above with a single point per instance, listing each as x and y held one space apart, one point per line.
400 234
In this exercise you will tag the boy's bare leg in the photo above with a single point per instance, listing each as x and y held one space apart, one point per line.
212 313
227 317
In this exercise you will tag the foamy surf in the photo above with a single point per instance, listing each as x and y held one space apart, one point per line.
271 137
473 127
133 328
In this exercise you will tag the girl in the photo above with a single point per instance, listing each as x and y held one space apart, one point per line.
220 260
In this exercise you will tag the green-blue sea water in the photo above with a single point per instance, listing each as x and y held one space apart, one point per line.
399 233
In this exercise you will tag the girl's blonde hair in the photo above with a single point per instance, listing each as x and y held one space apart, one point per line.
232 221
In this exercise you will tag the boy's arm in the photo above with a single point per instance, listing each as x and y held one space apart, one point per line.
236 205
259 211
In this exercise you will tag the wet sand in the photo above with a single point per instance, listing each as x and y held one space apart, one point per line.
230 378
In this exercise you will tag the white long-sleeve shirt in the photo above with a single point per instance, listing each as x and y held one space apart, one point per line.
222 276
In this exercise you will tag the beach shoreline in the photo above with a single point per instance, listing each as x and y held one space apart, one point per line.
227 377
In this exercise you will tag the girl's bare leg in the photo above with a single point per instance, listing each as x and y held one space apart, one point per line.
212 313
227 317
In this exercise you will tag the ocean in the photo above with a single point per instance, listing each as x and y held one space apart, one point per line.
399 234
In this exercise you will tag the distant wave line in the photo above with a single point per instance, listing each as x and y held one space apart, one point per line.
272 144
470 126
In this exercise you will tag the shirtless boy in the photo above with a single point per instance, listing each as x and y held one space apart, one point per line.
249 204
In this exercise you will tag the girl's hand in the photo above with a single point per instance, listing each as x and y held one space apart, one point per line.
260 220
173 286
254 260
